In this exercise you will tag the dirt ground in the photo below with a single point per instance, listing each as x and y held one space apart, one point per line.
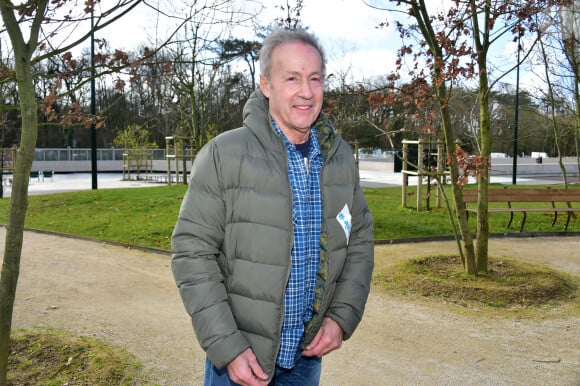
128 297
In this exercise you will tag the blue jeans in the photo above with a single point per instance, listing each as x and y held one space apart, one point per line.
306 372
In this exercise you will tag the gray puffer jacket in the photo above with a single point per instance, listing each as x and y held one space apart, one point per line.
232 241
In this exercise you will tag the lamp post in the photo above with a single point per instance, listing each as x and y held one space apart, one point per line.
93 108
516 119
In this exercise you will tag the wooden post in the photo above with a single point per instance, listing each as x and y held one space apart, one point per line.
168 158
440 171
420 176
404 174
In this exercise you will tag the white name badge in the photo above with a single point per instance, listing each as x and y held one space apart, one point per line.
344 219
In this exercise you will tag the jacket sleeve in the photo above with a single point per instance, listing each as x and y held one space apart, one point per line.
195 245
353 287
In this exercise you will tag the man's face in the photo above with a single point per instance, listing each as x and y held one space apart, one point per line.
295 88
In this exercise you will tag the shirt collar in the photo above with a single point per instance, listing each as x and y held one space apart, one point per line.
314 145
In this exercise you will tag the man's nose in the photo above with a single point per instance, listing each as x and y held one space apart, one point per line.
306 89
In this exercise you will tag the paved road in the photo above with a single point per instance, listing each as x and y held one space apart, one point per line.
372 174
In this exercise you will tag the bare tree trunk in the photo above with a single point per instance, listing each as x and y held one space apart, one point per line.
468 251
482 240
577 110
481 33
571 40
442 97
19 197
577 133
552 102
16 217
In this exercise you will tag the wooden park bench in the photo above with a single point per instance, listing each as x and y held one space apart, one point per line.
527 200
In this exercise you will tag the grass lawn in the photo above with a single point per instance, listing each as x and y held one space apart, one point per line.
50 357
146 216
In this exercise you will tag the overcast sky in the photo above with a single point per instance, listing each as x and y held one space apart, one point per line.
348 30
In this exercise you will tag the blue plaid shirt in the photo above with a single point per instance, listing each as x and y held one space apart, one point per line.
304 176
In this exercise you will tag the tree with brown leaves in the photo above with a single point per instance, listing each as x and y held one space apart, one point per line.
33 29
443 47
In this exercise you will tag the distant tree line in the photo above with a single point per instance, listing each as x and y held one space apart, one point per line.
173 95
197 86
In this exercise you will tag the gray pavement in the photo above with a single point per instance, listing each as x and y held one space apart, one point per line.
372 174
67 182
377 178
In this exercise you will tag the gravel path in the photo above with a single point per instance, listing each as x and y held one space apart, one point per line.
128 298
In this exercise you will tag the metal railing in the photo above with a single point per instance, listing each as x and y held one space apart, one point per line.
77 154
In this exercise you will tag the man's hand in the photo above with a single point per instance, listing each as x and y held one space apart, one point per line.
328 339
246 371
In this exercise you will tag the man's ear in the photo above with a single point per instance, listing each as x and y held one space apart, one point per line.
265 85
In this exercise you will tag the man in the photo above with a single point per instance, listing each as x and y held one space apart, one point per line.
273 247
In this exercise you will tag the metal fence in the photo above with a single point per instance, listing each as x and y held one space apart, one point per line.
75 154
